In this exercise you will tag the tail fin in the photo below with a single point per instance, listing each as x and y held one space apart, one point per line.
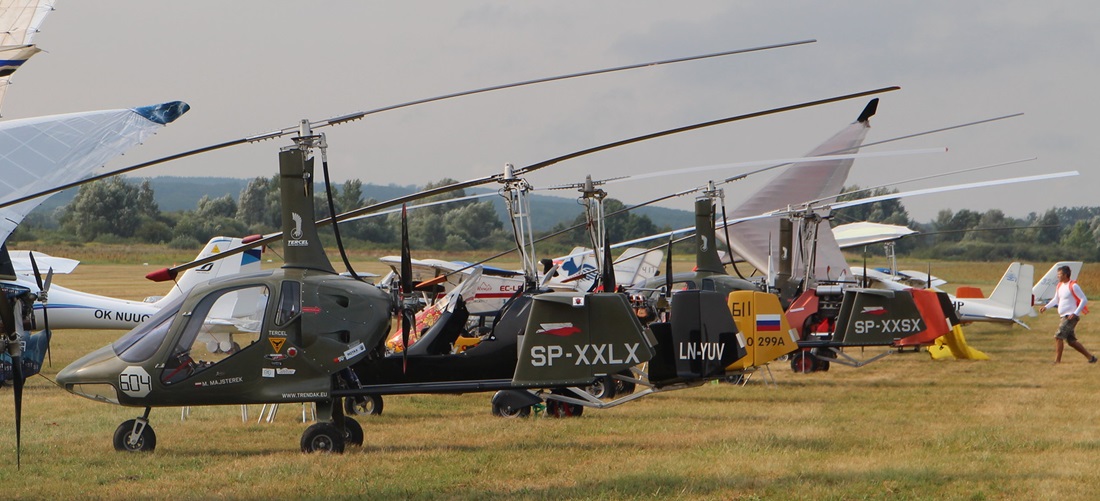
1012 291
245 262
1045 287
636 265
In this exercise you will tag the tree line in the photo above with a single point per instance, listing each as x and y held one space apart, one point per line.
117 210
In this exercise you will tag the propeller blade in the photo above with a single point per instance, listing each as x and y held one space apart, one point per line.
407 319
42 298
668 269
608 277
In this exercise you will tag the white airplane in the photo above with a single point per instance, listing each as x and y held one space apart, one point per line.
72 309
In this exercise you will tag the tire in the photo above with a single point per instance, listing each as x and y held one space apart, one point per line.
603 388
735 379
803 362
147 441
511 413
323 437
369 405
353 432
558 409
624 387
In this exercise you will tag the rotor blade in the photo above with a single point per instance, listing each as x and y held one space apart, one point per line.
170 273
867 145
782 161
922 178
981 184
358 115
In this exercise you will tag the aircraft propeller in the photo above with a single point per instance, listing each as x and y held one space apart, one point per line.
407 311
43 291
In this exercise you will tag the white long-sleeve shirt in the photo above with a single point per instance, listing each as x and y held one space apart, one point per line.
1063 299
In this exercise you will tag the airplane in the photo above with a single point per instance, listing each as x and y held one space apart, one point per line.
322 332
19 23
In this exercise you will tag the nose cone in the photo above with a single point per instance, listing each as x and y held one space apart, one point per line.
94 375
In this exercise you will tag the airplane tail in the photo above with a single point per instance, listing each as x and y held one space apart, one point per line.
1045 287
246 262
1012 291
636 265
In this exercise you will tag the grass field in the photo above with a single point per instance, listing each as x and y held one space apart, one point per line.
905 427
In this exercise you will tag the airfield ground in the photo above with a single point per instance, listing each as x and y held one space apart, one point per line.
905 427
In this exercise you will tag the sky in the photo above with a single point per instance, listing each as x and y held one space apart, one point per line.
252 66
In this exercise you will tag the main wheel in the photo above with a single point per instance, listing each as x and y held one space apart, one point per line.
363 406
353 432
323 437
802 362
511 412
556 408
624 387
603 387
146 440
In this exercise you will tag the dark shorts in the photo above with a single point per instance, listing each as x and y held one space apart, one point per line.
1066 328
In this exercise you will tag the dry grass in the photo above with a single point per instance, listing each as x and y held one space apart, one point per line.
906 427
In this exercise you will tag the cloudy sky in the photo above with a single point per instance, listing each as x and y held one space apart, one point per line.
251 66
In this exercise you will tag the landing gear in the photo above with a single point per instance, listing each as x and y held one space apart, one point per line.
324 437
803 362
603 388
507 411
363 406
353 432
556 408
135 435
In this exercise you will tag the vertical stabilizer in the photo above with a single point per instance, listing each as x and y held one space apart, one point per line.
706 252
1012 292
301 246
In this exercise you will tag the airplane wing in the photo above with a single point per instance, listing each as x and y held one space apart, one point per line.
866 233
19 22
46 152
21 260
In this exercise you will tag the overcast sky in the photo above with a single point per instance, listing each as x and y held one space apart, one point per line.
251 66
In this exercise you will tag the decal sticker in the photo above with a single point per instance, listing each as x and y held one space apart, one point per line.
307 394
578 301
359 348
285 372
276 333
311 309
219 382
558 329
267 372
135 382
277 357
292 352
768 323
277 343
873 310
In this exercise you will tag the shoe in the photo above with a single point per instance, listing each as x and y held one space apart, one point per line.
1092 360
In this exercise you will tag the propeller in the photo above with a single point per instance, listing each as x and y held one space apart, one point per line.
608 276
43 290
11 342
408 320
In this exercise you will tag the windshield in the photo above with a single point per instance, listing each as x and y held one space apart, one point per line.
142 341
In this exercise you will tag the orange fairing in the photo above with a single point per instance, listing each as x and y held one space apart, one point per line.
935 322
969 293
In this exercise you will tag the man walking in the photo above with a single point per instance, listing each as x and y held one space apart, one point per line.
1071 301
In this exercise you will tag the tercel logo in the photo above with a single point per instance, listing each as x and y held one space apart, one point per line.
873 310
561 329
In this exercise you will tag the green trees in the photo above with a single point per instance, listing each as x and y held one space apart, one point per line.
113 208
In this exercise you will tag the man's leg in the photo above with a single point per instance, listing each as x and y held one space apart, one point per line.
1081 348
1059 345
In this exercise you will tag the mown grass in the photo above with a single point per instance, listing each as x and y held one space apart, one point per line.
905 427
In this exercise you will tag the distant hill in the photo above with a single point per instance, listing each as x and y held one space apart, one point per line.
174 193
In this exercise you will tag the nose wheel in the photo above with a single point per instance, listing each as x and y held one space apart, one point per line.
135 435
